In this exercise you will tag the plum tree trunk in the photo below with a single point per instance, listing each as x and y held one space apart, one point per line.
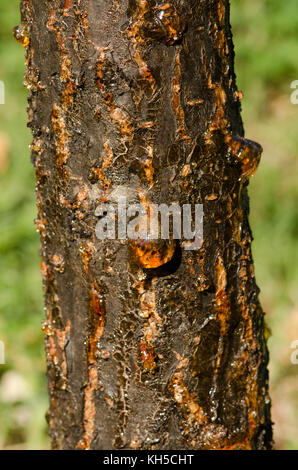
138 98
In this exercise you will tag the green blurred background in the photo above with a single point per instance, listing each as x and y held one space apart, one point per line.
266 45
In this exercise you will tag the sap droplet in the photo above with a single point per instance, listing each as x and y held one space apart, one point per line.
164 24
150 254
58 263
246 152
21 34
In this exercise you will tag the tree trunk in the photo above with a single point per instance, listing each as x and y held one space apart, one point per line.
138 98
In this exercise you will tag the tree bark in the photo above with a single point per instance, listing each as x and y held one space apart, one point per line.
138 98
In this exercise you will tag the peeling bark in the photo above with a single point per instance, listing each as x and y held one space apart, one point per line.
139 98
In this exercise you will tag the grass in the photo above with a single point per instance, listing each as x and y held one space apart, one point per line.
265 37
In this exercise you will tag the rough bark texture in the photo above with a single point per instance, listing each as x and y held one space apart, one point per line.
139 97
